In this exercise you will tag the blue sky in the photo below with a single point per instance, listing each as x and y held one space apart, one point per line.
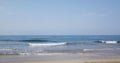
59 17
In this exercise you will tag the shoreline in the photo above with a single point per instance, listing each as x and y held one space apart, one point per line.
70 58
70 61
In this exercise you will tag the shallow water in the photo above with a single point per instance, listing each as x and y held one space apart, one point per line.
59 44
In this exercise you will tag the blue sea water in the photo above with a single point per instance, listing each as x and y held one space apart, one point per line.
50 44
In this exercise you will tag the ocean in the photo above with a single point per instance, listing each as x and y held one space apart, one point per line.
58 44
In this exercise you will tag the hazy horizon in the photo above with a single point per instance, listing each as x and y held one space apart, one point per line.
59 17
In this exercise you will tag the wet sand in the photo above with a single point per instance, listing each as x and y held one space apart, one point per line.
70 61
71 58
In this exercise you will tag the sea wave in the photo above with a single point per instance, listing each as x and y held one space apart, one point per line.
47 44
108 42
28 40
54 52
34 40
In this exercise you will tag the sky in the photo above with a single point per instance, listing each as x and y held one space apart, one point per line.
59 17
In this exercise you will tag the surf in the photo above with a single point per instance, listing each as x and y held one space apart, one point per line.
109 42
47 44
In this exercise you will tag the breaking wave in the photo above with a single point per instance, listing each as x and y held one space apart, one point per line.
47 44
108 42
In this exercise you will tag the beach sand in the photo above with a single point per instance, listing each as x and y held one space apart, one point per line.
71 61
73 58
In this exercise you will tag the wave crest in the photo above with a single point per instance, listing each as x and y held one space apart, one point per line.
29 40
47 44
108 42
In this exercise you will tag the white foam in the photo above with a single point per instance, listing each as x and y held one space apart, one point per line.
110 42
6 49
46 44
101 49
25 54
28 54
88 49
